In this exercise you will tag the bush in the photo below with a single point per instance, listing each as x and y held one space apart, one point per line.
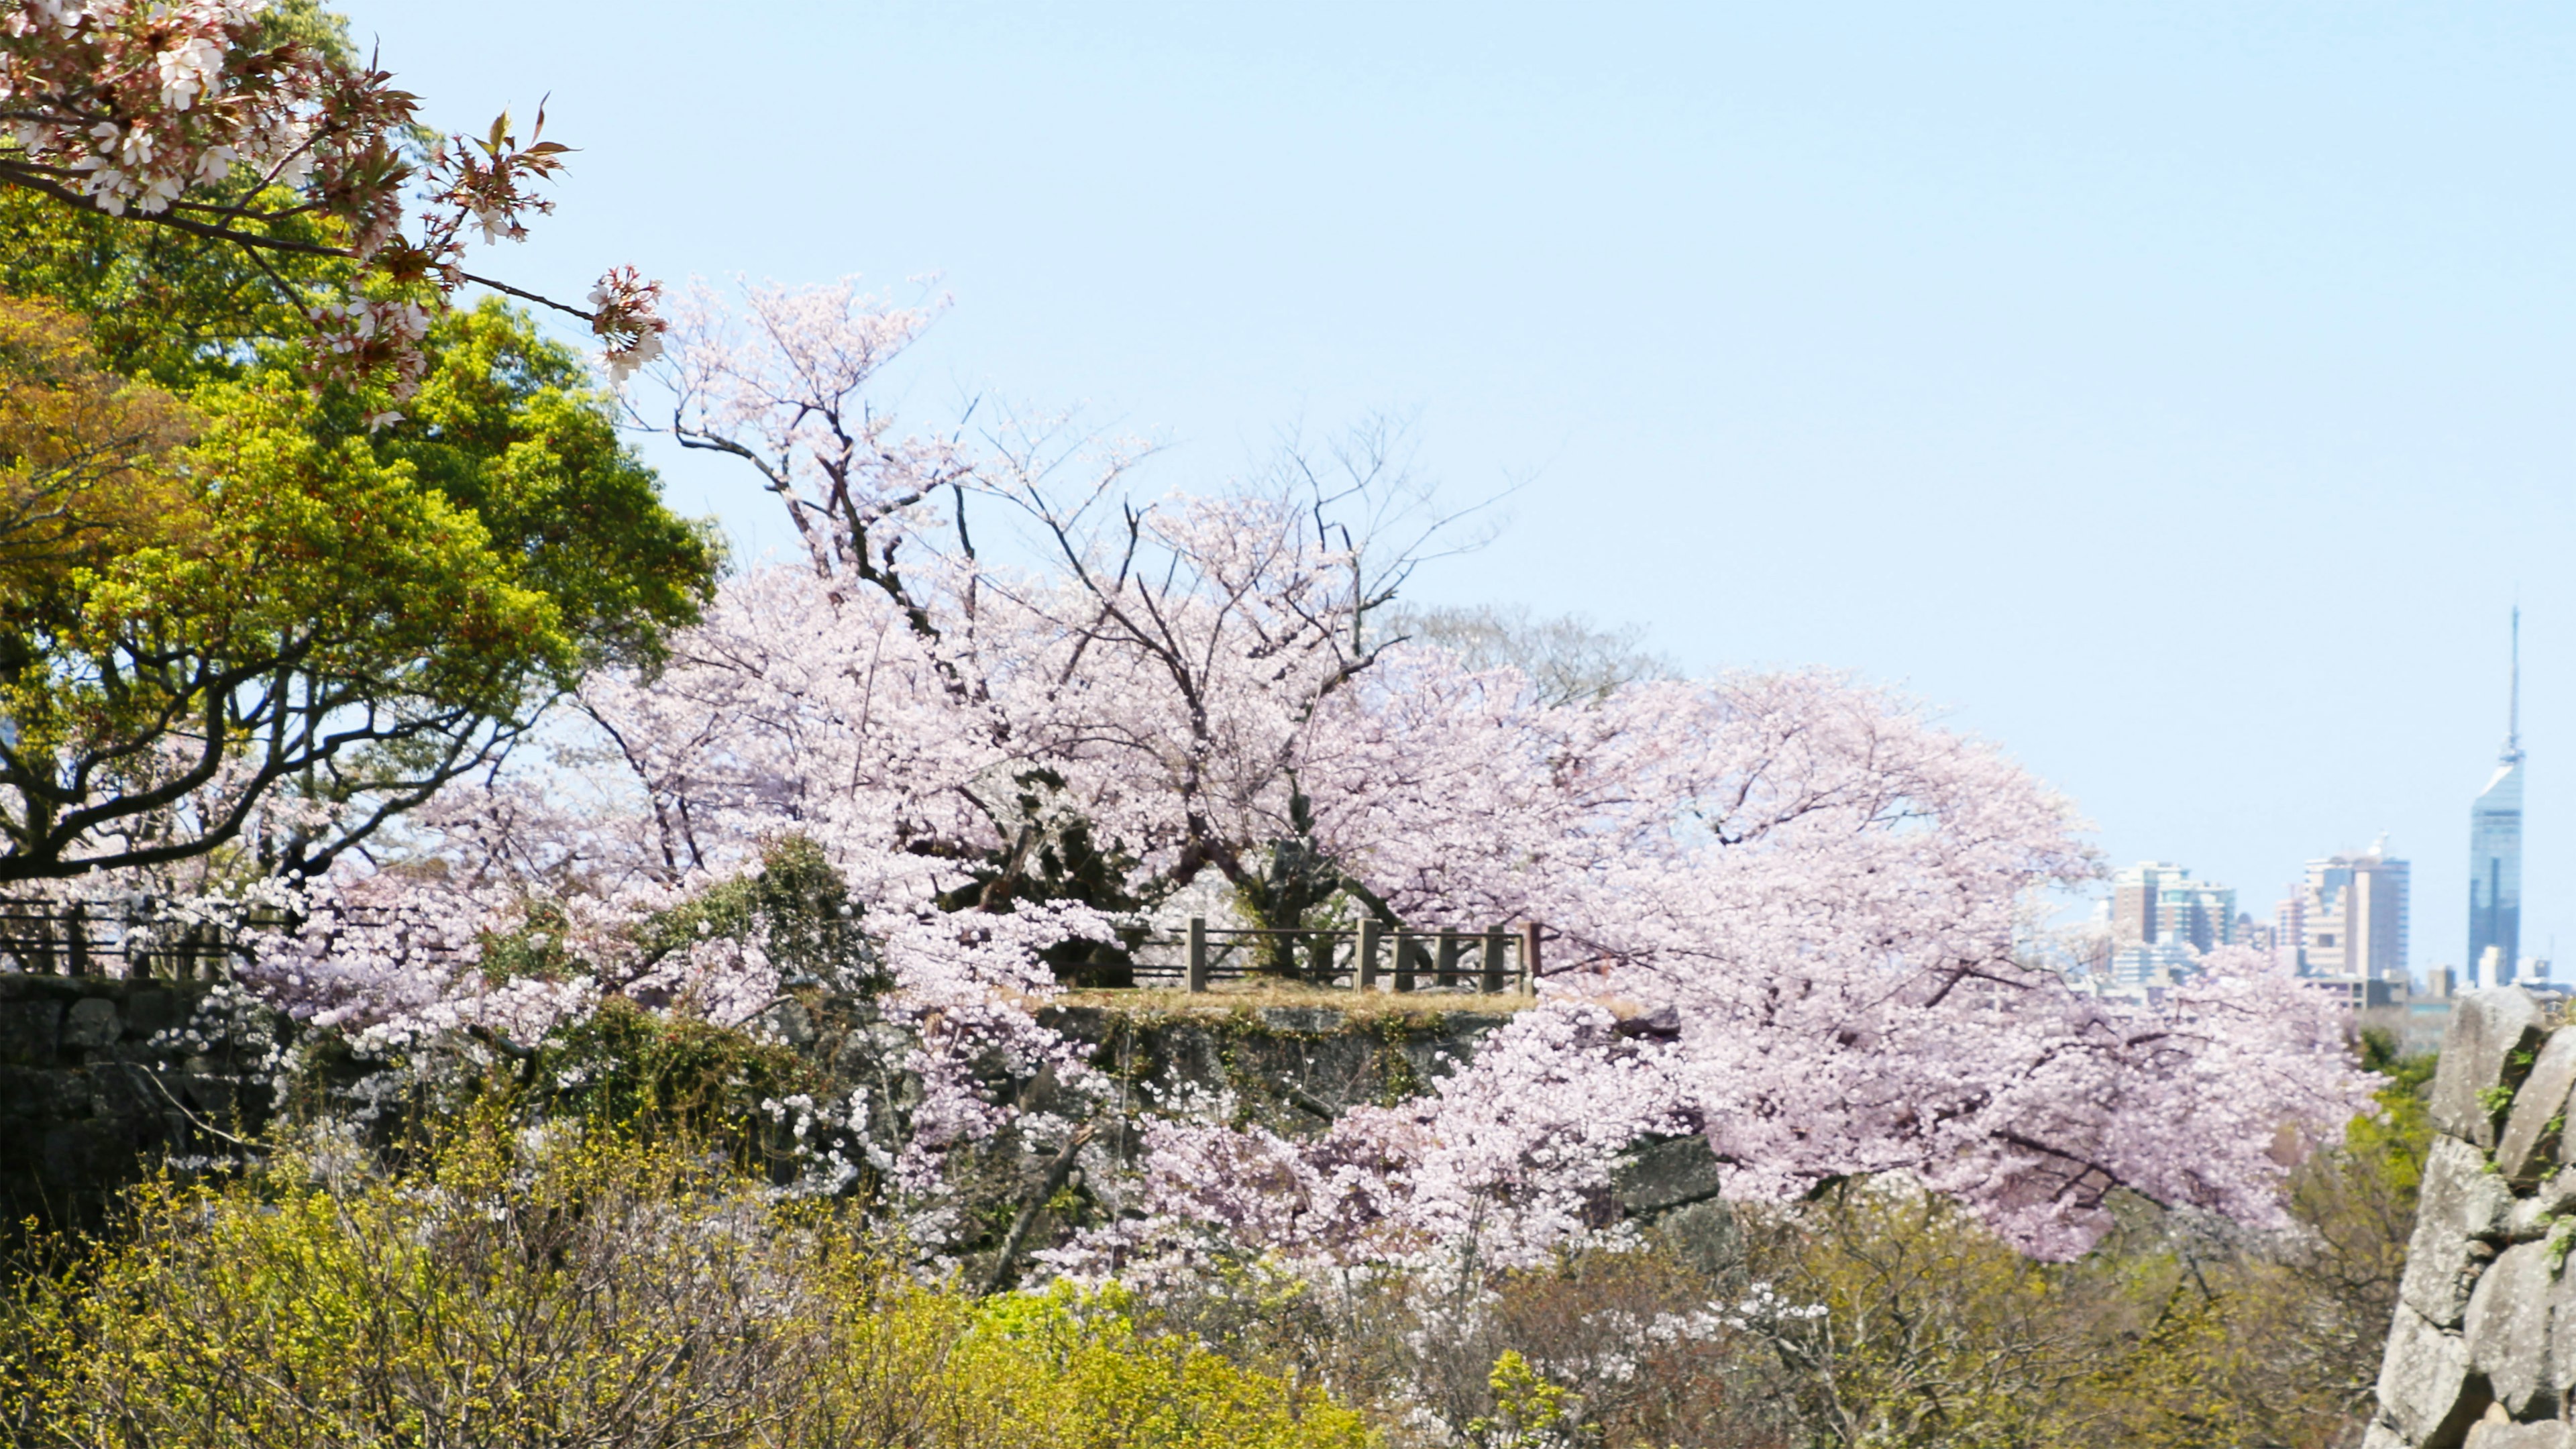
518 1289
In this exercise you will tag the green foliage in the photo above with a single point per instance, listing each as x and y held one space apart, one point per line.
1529 1412
579 1290
664 1076
1076 1363
2383 1053
507 427
315 605
165 307
795 907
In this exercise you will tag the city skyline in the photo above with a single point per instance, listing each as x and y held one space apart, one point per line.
1855 338
2163 920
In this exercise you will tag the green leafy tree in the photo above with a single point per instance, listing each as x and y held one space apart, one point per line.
322 618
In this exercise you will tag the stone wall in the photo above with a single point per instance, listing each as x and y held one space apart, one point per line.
2482 1351
101 1078
1310 1061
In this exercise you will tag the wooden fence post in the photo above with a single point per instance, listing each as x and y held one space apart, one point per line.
1529 955
1198 977
1364 970
1408 956
1489 955
1446 970
76 940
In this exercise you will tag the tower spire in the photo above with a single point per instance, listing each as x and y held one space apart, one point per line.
2513 695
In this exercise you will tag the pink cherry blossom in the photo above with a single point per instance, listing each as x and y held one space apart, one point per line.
1787 913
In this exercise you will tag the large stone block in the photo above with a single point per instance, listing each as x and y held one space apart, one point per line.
90 1024
2530 1139
2532 1215
1314 1020
2562 1336
2549 1434
29 1030
1668 1175
154 1010
2380 1435
2461 1202
2508 1329
2425 1384
2487 1028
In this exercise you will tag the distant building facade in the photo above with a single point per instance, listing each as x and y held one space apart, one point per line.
2162 921
2348 919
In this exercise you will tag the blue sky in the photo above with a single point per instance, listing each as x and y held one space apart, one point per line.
2178 395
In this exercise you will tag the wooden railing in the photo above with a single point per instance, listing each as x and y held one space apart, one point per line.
145 937
132 936
1368 957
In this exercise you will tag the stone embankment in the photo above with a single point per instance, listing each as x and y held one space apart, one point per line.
100 1078
2482 1351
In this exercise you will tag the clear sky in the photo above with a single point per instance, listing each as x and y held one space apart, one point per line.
2176 394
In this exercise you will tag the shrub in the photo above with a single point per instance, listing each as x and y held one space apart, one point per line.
572 1291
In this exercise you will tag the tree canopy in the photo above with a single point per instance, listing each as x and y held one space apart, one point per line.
236 611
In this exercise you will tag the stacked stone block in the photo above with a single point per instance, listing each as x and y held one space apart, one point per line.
2482 1351
100 1078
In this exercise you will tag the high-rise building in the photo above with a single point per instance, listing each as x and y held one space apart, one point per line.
2290 930
2495 847
2162 921
2349 918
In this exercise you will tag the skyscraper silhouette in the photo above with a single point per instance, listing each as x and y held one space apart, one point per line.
2495 849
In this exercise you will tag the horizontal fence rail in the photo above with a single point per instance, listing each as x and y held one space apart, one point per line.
1369 957
131 937
145 937
141 936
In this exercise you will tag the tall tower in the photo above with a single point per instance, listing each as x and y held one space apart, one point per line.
2495 848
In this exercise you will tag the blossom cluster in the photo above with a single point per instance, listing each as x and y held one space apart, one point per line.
203 114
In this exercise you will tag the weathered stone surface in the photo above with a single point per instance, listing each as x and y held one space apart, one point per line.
1666 1175
2532 1215
2548 1434
2508 1329
2561 1371
28 1030
2530 1140
80 1111
1302 1018
2381 1436
2486 1029
793 1023
90 1024
2425 1384
2461 1202
148 1011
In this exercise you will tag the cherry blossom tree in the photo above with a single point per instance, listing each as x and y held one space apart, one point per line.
1806 895
1015 705
1155 671
229 122
1803 900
